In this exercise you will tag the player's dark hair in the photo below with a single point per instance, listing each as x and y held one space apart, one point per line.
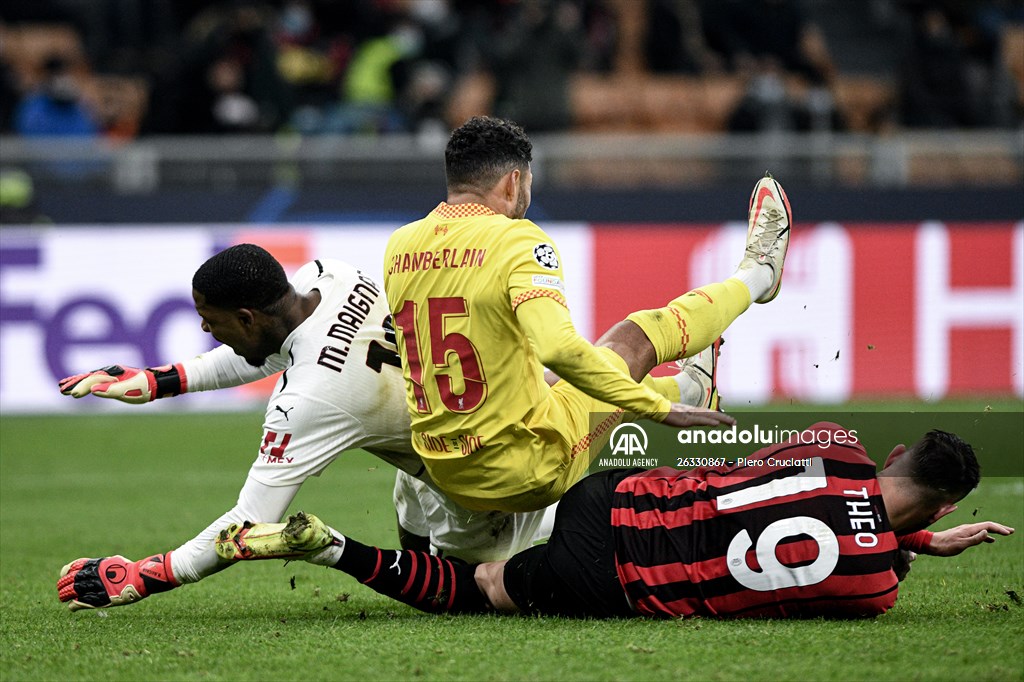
944 463
242 276
482 150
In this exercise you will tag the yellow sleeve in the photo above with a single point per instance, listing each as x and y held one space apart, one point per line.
561 349
534 265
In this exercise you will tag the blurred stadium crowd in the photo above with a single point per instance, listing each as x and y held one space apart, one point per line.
129 68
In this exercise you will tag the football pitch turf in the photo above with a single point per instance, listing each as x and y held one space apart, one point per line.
140 484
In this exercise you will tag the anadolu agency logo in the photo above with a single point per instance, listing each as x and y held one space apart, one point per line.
628 443
628 440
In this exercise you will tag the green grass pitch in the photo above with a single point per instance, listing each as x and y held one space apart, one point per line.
140 484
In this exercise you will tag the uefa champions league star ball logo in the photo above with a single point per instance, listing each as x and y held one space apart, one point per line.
546 256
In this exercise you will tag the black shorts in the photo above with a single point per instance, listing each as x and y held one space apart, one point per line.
574 573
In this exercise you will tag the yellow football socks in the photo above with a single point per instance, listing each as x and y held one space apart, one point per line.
692 322
666 386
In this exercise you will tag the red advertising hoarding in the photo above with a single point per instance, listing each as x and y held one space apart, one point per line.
928 310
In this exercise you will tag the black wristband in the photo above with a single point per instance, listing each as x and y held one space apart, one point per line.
168 382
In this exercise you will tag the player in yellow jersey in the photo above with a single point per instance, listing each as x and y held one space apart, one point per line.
477 296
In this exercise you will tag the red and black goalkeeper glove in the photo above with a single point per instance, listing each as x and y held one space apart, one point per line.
127 384
113 581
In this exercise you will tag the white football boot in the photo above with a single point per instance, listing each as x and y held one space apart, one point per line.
768 221
698 377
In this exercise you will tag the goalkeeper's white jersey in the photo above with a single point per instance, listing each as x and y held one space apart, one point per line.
341 388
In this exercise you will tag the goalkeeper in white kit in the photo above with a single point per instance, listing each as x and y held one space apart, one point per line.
341 389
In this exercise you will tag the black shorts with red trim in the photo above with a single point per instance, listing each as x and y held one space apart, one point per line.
574 574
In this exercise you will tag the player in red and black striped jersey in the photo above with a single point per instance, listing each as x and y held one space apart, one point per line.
800 529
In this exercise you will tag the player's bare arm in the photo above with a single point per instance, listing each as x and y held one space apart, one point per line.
955 540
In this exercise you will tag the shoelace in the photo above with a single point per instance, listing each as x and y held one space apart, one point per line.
770 235
690 365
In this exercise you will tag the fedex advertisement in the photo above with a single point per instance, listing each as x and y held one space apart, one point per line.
927 310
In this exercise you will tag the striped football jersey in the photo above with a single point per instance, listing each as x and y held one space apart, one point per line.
798 529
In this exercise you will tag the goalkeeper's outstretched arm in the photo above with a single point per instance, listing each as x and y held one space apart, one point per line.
91 583
127 384
217 368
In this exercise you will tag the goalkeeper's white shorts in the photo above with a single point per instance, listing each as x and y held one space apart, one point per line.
472 536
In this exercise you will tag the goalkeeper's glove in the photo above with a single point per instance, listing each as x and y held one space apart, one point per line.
113 581
127 384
